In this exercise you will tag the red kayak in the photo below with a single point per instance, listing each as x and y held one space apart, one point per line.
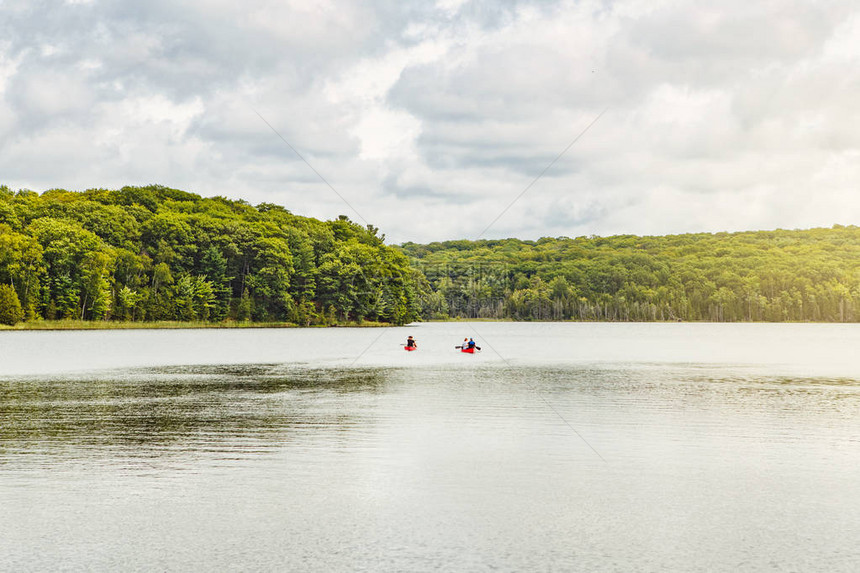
469 350
410 348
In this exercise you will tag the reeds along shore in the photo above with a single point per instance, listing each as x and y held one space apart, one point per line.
128 325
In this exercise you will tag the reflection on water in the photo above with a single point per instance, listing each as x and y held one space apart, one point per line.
212 407
243 409
285 467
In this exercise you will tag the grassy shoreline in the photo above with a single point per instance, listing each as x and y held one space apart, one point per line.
167 325
177 325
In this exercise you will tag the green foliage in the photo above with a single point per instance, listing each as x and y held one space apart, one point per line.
811 275
10 307
159 254
245 307
21 266
155 253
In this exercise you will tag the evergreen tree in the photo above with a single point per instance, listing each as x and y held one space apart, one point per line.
10 307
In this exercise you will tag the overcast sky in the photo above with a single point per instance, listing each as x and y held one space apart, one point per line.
429 120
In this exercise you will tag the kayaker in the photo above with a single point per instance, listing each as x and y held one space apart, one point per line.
471 343
410 343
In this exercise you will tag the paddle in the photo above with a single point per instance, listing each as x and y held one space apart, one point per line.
461 347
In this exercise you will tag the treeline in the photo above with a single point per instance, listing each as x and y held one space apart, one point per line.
809 275
154 253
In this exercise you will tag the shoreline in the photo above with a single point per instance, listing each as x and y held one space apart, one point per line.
176 325
170 325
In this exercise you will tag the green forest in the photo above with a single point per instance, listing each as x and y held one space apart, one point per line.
153 254
159 254
808 275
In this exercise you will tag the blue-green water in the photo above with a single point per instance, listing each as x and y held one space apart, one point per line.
559 447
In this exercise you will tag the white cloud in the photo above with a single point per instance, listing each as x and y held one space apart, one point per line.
430 118
8 66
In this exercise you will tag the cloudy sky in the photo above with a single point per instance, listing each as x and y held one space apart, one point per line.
430 119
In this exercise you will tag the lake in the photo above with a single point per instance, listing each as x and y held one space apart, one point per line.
557 447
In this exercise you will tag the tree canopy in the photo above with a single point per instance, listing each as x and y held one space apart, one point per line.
156 253
797 275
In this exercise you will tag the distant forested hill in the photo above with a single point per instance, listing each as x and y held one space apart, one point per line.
810 275
154 253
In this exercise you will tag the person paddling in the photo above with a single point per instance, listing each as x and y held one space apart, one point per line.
468 345
410 343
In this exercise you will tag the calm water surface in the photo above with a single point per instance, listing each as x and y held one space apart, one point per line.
559 447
